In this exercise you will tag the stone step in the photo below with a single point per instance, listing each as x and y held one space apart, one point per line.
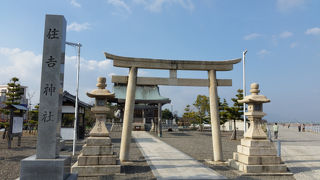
257 151
97 150
256 143
279 168
256 160
97 160
97 170
98 141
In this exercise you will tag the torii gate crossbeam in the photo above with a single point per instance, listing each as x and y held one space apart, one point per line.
172 65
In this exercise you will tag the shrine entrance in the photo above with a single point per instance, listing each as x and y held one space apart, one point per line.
173 66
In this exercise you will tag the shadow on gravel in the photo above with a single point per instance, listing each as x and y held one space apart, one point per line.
16 158
297 161
246 178
135 169
118 140
302 169
179 134
299 140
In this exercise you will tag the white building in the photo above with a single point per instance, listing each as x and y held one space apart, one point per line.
229 125
4 90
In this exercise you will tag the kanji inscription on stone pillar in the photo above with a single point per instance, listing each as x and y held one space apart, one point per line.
52 75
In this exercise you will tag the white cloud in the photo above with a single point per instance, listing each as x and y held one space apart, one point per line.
293 45
285 34
313 31
21 64
95 65
78 27
288 5
158 5
263 52
120 5
26 65
251 36
75 3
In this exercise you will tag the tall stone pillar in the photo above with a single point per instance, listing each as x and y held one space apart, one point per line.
128 115
47 164
215 120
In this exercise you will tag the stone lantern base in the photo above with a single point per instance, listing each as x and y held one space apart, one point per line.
97 159
258 157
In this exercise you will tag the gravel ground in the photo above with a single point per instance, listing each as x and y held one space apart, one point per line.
10 158
194 143
199 146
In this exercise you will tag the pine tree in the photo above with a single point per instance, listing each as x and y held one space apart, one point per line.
13 98
14 92
167 114
203 107
236 112
223 110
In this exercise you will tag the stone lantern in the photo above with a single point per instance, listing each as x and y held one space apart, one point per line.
255 112
97 157
257 155
100 109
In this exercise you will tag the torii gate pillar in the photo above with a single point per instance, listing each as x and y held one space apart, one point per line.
128 115
215 120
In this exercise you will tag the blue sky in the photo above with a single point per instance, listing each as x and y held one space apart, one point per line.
282 38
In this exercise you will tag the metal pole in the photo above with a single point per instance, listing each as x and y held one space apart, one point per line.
244 89
76 105
77 93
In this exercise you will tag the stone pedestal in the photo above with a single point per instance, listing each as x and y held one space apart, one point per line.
97 159
51 169
257 157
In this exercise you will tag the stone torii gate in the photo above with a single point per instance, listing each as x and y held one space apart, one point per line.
172 65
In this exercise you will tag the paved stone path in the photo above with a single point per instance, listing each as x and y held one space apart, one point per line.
301 152
167 162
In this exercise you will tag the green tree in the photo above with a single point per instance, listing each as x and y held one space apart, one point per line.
236 111
34 113
189 115
223 110
13 97
167 114
203 107
33 118
14 92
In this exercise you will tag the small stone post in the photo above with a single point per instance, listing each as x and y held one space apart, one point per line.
97 157
256 155
159 120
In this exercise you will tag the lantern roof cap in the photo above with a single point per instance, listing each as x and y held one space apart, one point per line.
101 92
254 97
